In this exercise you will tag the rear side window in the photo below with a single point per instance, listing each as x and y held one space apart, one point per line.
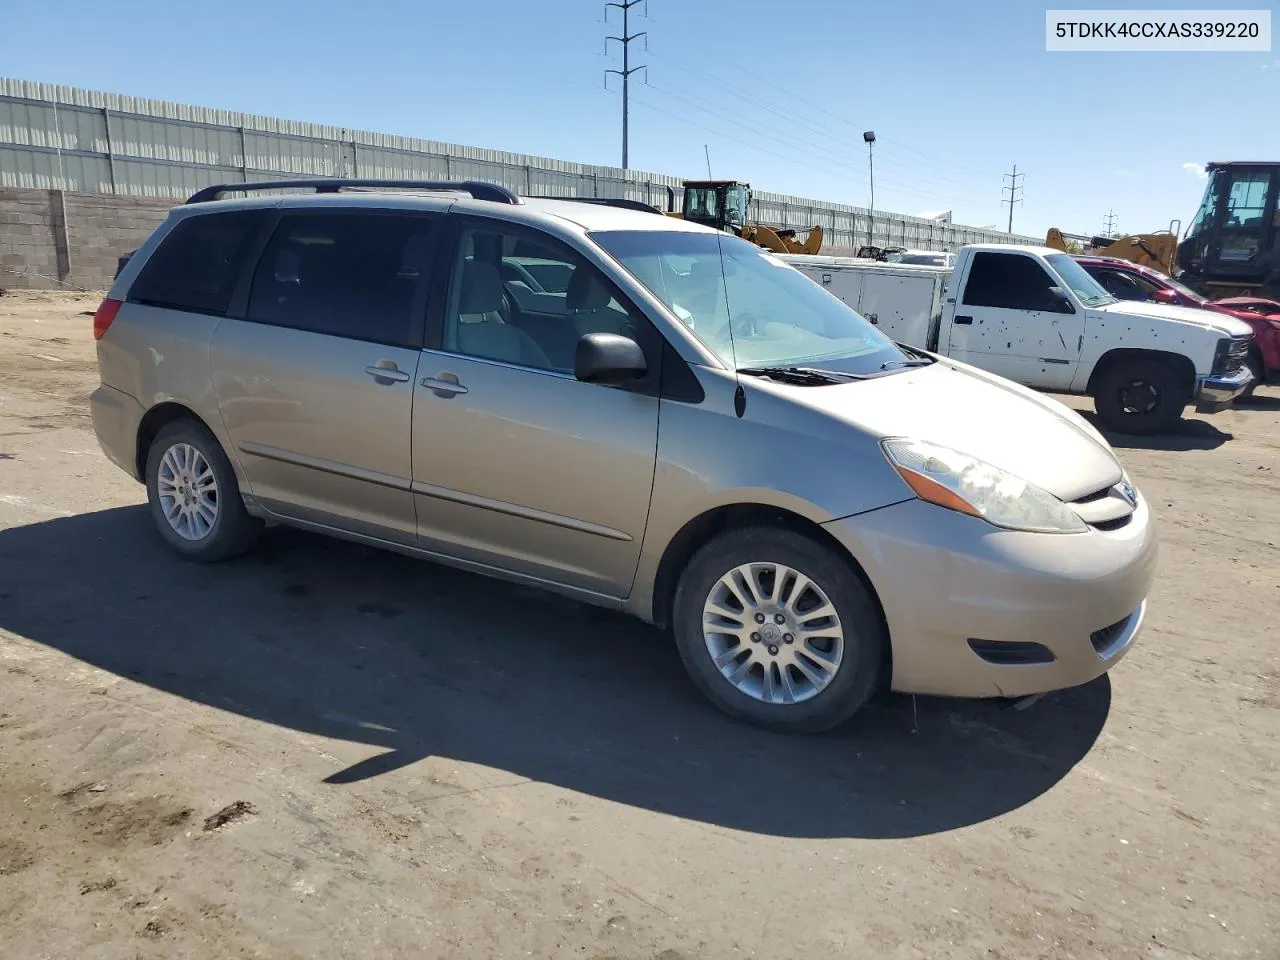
353 275
197 264
1008 280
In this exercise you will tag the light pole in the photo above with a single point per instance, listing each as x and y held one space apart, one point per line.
869 137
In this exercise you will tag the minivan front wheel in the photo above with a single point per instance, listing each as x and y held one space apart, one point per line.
777 630
194 497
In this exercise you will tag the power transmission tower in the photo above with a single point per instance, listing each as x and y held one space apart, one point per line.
1012 187
1110 220
627 70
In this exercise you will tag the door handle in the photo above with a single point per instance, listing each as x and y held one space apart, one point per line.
388 374
964 320
446 388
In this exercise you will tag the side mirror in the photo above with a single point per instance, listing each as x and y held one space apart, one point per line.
1059 302
1164 295
608 358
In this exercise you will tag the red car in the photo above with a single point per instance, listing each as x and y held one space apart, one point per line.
1129 281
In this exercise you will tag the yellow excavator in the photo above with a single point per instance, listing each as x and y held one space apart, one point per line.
723 204
1156 250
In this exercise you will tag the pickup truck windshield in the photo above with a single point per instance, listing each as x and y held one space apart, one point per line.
1090 292
751 309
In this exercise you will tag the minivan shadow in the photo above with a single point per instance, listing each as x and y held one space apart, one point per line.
1182 436
323 636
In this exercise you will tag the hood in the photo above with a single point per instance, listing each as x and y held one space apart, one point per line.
1223 323
1033 437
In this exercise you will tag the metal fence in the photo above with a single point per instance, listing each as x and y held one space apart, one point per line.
57 137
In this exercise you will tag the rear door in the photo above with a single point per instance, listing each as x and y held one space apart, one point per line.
516 463
1008 320
315 379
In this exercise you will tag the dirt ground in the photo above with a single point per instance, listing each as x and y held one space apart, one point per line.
324 751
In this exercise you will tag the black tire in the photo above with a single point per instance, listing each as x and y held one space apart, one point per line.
1139 396
233 530
865 636
1256 367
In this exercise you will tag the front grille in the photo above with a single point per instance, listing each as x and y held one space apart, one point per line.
1119 523
1232 354
1102 639
1104 509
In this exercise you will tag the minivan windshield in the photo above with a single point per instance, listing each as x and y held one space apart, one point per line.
1089 290
750 308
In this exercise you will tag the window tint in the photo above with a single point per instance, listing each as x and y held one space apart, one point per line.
528 301
1008 280
344 274
197 265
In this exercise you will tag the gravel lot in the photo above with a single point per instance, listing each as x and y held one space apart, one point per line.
324 751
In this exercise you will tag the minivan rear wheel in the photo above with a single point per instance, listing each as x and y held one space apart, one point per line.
777 630
194 497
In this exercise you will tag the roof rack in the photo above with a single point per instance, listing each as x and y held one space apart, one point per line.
605 202
478 189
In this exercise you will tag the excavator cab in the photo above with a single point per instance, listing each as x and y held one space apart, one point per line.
717 203
1234 241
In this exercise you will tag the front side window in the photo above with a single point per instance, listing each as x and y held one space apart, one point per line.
1090 292
198 263
527 299
750 308
1011 281
1209 202
353 275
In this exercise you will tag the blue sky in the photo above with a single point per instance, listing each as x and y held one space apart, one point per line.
779 92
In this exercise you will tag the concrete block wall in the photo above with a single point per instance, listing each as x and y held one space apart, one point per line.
52 239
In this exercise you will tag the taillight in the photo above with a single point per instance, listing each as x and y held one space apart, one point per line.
106 312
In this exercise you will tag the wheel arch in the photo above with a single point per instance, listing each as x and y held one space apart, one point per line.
706 525
1181 366
155 420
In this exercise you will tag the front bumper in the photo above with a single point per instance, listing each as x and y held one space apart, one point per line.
952 586
1214 393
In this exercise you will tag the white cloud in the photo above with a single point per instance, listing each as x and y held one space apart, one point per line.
1195 169
1126 174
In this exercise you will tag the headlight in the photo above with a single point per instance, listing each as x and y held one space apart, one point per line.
966 484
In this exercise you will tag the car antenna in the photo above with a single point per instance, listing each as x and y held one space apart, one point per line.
739 394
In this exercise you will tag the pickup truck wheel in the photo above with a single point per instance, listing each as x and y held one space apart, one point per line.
1139 396
777 630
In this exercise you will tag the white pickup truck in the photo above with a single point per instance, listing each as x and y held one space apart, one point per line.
1033 315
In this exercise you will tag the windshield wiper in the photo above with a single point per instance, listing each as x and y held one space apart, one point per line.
802 376
911 362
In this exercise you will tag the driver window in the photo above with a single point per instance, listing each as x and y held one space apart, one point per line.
526 300
1011 281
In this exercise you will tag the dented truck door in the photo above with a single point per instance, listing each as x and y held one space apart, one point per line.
1013 317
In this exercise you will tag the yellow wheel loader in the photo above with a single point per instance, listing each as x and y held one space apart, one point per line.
1155 250
723 204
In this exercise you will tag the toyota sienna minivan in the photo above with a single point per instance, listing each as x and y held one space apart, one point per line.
629 409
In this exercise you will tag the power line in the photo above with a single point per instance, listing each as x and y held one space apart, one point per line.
627 70
819 151
1013 188
789 112
1109 221
789 157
